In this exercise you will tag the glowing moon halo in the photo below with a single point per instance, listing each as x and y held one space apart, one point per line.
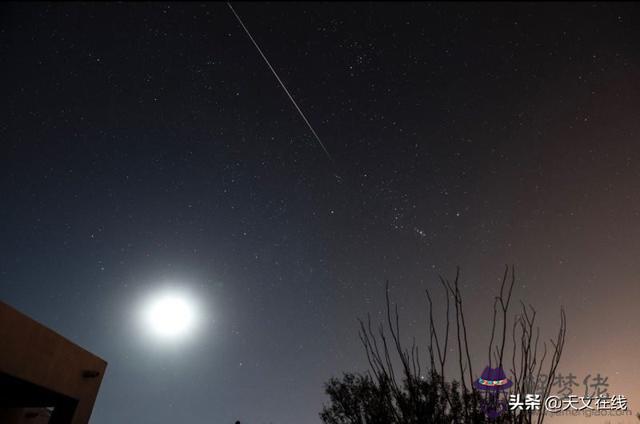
170 315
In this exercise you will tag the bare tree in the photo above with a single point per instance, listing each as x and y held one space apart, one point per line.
527 365
408 391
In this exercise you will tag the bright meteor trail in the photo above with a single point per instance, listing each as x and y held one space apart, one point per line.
315 134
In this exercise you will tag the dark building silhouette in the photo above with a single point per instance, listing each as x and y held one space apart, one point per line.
44 378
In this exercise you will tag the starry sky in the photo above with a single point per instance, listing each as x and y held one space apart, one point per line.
149 144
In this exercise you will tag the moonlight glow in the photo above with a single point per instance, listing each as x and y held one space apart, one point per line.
170 315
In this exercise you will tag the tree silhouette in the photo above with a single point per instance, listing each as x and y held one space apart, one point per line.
402 388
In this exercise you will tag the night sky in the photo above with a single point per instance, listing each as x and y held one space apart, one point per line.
147 146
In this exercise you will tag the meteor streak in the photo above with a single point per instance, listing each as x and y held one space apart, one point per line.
315 134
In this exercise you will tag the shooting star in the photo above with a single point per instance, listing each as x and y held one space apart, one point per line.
315 134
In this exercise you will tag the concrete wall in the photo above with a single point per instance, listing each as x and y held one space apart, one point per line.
38 355
24 416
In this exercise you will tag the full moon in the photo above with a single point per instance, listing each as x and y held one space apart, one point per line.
170 315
